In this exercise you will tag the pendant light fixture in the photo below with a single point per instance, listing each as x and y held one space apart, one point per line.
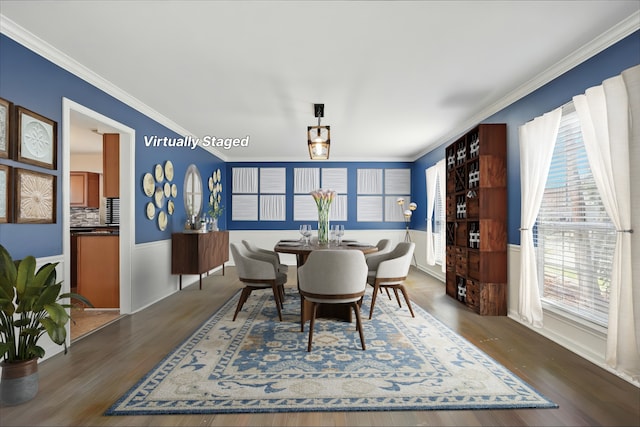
318 137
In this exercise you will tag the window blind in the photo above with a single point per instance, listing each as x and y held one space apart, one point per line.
438 225
574 236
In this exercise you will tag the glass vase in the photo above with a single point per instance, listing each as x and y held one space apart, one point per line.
323 225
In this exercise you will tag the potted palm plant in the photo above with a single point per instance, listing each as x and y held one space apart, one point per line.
30 306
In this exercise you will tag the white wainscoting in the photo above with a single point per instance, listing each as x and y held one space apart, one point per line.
152 281
572 334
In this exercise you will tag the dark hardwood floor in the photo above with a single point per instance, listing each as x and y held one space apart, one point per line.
77 388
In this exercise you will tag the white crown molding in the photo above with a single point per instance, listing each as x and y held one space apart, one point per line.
600 43
44 49
47 51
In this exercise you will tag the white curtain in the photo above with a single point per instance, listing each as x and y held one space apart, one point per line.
434 174
604 119
537 140
432 180
441 167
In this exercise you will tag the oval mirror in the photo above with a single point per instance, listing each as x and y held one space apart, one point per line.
193 191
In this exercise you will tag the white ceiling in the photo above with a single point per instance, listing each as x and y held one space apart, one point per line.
397 78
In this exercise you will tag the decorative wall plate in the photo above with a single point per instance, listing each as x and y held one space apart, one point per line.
170 207
162 220
37 137
35 197
174 190
148 184
159 173
218 175
168 170
151 210
167 189
159 197
210 183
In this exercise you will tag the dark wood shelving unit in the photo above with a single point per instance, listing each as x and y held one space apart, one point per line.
476 229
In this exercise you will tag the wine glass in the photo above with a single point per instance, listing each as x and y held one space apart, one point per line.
339 233
307 234
302 232
332 233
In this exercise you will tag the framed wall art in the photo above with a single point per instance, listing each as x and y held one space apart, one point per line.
5 193
37 139
35 197
5 115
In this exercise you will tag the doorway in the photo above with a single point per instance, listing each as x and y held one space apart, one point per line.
76 120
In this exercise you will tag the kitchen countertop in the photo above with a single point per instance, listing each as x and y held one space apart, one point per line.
95 230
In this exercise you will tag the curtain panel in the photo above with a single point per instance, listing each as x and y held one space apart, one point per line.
432 180
435 174
604 114
537 141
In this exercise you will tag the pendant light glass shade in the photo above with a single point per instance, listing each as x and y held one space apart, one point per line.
318 141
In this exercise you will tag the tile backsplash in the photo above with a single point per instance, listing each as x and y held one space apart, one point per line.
84 216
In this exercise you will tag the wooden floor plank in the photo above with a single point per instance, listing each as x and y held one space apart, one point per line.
77 388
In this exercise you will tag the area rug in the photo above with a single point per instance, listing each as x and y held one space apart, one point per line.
259 364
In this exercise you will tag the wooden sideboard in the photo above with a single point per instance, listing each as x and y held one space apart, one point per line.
198 253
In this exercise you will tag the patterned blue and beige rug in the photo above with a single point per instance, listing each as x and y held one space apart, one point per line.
258 364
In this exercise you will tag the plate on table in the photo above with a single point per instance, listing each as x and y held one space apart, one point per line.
349 241
289 244
359 245
290 240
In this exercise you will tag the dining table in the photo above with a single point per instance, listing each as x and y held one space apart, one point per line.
302 250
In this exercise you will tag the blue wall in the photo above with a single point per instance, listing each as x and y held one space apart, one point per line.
352 170
606 64
29 80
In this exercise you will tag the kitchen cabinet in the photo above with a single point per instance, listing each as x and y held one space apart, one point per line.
197 253
97 265
111 165
85 189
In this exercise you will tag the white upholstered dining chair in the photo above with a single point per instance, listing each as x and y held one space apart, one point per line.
331 276
273 255
257 273
383 245
389 270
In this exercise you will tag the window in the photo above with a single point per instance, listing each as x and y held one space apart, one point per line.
574 236
438 224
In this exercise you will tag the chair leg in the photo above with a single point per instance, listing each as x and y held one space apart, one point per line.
276 296
356 308
395 291
243 298
301 313
313 321
376 288
388 294
406 298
